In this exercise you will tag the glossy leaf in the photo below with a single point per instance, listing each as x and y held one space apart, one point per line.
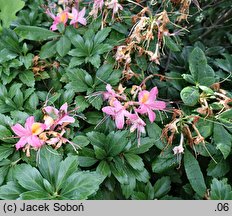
194 173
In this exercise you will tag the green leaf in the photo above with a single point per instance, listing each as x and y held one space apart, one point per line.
33 101
155 133
93 117
190 95
66 168
28 78
135 161
205 127
103 73
8 9
80 186
225 64
81 103
116 142
48 50
5 134
201 72
5 150
165 161
218 170
95 60
78 42
103 168
145 145
49 164
197 62
97 139
171 44
194 173
10 191
141 62
96 101
220 190
27 60
86 161
127 189
81 141
75 61
101 35
222 139
35 33
3 170
77 80
162 187
119 173
29 177
35 195
63 46
6 55
189 78
18 99
226 114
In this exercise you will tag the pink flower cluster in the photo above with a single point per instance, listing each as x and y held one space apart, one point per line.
35 134
120 108
112 5
64 15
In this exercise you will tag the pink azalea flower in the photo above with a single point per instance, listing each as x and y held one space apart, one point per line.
77 17
148 102
98 4
137 123
29 133
57 117
118 111
178 150
110 93
115 6
62 17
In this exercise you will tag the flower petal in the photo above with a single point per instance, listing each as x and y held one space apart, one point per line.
119 120
51 110
142 109
153 94
19 130
142 94
151 115
35 141
21 143
64 107
158 105
29 122
67 119
109 110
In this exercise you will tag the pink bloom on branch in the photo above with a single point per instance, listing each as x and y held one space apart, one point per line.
110 93
57 117
98 4
118 112
77 17
29 133
178 150
148 103
62 17
137 124
115 6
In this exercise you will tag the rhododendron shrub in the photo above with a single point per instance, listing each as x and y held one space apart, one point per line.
133 98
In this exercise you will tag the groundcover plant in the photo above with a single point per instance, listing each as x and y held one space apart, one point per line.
115 99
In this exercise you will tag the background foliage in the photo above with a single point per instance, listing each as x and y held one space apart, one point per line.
73 65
